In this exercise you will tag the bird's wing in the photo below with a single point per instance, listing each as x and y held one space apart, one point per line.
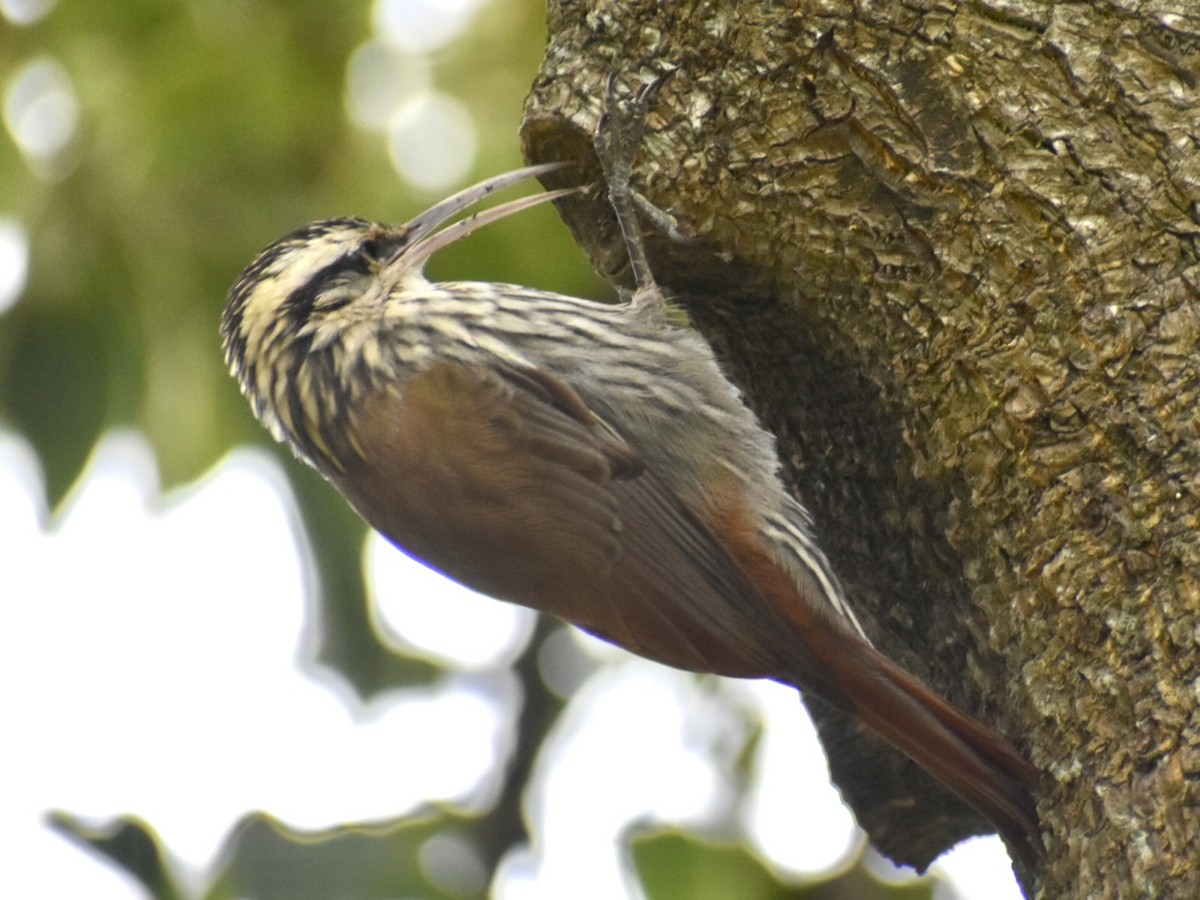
508 482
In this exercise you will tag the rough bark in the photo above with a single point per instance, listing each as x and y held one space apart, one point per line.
950 252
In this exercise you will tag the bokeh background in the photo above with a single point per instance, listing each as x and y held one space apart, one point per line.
217 683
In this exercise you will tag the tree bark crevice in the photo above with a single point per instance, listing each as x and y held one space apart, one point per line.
950 255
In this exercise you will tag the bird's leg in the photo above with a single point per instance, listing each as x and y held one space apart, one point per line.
618 137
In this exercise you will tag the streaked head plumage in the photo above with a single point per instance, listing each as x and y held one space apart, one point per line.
316 269
332 264
298 328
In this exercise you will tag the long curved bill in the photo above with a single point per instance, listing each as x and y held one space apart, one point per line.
422 239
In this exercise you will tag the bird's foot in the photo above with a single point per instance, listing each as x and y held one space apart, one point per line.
618 137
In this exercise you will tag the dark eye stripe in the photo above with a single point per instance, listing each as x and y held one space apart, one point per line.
331 303
302 301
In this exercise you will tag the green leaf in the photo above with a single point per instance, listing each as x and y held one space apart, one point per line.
129 843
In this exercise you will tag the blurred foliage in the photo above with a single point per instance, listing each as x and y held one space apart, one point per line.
127 842
208 129
676 866
274 862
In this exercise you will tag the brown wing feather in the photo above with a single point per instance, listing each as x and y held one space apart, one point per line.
510 484
457 474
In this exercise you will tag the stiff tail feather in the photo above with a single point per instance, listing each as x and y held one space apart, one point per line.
968 757
823 655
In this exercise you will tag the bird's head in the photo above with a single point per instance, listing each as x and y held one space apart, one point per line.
287 314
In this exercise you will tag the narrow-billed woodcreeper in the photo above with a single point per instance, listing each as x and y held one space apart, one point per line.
586 459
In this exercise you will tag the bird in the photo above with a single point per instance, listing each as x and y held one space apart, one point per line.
587 459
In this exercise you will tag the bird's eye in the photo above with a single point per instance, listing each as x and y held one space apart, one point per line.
370 249
330 302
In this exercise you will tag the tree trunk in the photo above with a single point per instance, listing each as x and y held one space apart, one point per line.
949 251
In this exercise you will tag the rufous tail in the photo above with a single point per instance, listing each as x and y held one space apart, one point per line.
968 757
